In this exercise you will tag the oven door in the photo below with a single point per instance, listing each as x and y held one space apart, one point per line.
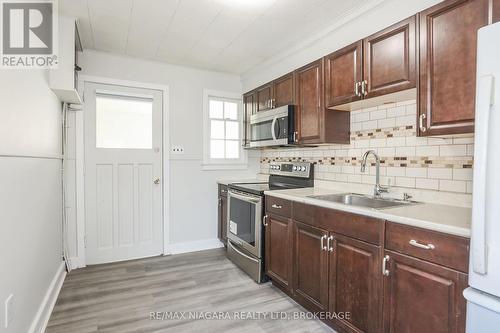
244 221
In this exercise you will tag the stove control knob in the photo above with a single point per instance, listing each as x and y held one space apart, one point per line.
303 168
294 168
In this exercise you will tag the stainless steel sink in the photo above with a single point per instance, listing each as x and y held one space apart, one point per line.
353 199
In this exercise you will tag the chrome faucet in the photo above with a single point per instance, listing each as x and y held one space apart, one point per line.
378 190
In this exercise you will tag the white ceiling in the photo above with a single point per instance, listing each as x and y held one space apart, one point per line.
223 35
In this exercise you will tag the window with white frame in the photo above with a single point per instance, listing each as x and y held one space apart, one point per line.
223 128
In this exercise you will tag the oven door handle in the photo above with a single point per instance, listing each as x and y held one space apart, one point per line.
239 252
246 198
273 125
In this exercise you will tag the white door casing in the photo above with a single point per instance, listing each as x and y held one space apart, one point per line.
123 205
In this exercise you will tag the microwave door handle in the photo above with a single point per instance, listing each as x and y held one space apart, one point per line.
273 125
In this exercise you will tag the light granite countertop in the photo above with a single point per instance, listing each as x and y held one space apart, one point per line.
443 218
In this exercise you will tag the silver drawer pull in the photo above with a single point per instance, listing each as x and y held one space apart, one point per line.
422 246
385 260
322 240
276 206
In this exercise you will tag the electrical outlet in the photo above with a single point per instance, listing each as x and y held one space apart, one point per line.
178 150
9 310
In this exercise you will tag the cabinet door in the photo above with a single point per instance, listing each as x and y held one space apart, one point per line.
222 217
422 297
283 91
310 285
309 102
264 96
249 109
448 44
356 284
343 70
278 260
496 11
389 60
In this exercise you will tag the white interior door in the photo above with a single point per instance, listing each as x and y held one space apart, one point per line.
123 172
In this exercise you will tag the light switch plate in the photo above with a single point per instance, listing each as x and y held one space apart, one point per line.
178 150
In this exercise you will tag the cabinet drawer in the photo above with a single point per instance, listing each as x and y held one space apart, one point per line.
278 206
361 227
443 249
223 190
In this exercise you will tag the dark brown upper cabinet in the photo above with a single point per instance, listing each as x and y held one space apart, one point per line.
283 91
264 97
343 73
249 108
496 11
381 64
309 102
275 94
447 84
315 124
389 60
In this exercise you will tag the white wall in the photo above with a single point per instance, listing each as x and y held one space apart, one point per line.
193 194
30 193
340 34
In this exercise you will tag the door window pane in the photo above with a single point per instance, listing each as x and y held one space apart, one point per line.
124 122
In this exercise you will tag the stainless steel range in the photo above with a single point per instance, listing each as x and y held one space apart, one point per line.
246 210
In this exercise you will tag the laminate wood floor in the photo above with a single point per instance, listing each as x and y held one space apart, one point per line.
120 297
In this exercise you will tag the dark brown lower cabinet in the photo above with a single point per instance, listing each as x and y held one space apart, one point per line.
278 260
329 263
222 215
310 283
422 297
355 284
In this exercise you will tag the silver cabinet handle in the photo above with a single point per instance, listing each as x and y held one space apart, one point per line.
422 246
156 181
385 271
328 245
356 89
364 89
323 247
220 202
421 122
276 206
296 137
264 221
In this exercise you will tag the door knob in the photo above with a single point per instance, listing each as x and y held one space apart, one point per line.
156 181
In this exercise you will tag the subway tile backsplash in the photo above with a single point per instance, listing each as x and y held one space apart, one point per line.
407 161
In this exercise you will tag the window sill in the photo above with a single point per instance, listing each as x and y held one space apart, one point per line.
214 167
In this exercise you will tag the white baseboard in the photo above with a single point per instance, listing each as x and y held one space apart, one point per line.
45 310
201 245
76 262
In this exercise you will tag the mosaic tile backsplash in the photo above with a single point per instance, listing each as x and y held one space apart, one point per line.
407 161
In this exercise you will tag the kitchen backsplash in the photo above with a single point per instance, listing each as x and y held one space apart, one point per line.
407 161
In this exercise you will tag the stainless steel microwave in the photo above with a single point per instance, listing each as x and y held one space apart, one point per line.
275 127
